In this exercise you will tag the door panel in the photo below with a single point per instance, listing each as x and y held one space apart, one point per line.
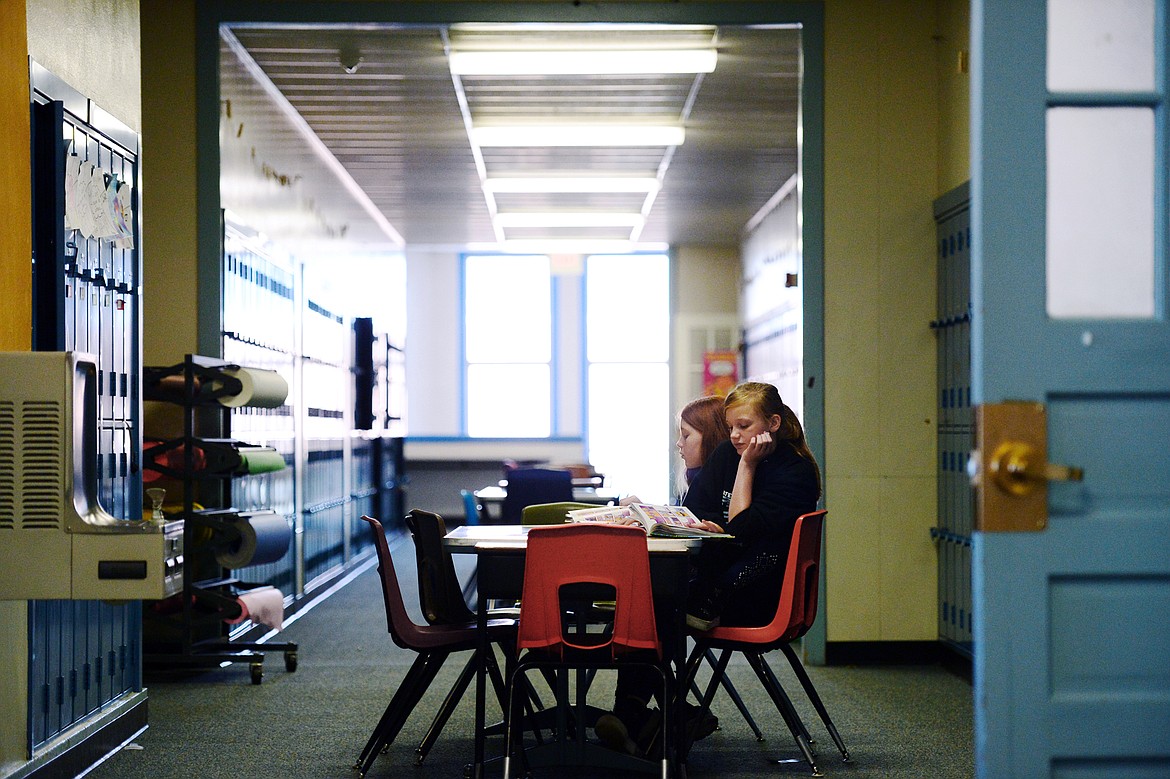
1072 623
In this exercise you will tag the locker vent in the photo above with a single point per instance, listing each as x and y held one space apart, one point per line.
42 480
7 465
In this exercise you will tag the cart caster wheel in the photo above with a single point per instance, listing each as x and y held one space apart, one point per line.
290 662
257 672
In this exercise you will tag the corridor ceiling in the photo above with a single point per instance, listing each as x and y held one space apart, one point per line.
370 127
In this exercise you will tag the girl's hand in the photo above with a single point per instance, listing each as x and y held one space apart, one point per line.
758 448
706 524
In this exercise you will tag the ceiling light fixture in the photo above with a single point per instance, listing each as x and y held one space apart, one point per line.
575 184
568 219
578 135
582 62
576 246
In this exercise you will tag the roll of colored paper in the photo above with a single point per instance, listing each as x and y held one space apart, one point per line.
259 459
258 387
264 538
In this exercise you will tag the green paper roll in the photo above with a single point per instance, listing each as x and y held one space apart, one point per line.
260 460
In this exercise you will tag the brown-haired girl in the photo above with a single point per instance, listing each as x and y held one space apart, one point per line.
702 426
753 486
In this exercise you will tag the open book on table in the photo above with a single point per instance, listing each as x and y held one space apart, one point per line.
657 520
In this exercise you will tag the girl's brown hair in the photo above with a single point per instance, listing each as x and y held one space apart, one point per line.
764 399
706 416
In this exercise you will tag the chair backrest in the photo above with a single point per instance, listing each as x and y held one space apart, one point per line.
549 513
402 628
534 485
439 591
797 609
615 556
806 573
470 507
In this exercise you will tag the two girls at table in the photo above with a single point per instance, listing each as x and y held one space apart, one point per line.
753 485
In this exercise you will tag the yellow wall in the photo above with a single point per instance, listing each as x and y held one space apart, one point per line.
16 227
881 163
696 267
15 321
954 87
169 321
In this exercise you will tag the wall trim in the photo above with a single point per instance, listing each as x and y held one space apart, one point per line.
90 742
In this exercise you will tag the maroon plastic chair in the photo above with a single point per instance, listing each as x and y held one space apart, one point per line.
795 614
442 601
433 643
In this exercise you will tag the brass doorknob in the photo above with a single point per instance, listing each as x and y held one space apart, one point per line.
1017 469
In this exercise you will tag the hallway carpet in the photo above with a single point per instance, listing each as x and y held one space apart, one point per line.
897 721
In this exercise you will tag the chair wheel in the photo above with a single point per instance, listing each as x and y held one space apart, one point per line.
257 670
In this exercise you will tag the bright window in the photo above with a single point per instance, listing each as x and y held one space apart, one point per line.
508 345
630 427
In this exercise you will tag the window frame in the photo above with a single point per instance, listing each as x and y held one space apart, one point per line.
465 364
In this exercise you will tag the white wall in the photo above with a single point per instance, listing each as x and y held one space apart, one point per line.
93 47
772 312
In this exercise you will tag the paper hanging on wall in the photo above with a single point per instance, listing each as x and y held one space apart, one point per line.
72 174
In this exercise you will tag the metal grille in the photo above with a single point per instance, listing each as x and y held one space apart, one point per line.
41 476
8 481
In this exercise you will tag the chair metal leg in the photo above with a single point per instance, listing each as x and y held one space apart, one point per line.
776 683
784 706
422 671
454 695
517 675
725 681
806 683
692 668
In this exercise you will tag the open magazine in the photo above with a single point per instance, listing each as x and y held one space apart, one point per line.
657 520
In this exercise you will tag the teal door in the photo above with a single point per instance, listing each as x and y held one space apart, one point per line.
1070 149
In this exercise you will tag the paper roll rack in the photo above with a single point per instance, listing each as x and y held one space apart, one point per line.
190 629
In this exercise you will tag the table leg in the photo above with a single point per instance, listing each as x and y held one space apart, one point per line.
483 646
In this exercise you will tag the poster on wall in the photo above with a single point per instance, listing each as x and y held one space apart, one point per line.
720 372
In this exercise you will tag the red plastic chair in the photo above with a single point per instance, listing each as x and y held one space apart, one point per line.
574 562
433 643
795 614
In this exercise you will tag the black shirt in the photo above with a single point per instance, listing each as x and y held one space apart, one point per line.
784 486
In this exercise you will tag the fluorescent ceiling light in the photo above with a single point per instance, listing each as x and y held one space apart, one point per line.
568 246
571 246
582 62
568 219
571 184
578 135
